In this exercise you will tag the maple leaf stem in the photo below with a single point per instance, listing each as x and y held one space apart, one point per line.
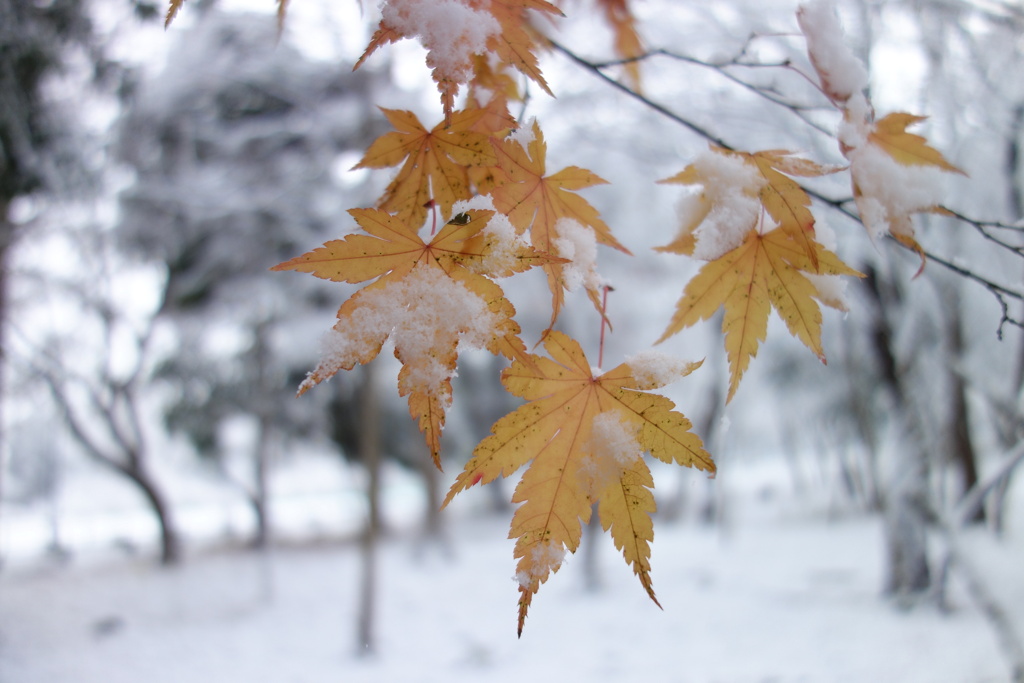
604 324
433 217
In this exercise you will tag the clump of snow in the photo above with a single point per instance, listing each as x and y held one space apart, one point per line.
578 244
888 191
525 134
842 74
451 30
614 439
482 202
612 448
425 313
825 234
831 288
545 557
652 369
731 186
856 125
891 191
503 241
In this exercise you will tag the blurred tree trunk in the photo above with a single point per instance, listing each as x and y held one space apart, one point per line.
961 448
433 521
126 455
591 558
1015 186
905 496
369 452
6 239
170 540
260 496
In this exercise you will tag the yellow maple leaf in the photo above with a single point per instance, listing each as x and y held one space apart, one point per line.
537 202
890 133
781 197
585 436
427 297
766 270
435 162
894 176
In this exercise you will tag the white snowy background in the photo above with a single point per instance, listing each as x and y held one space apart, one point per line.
783 585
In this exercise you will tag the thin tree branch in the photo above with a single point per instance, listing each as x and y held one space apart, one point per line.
1002 293
651 104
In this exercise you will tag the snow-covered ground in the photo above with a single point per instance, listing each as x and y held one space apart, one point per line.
778 593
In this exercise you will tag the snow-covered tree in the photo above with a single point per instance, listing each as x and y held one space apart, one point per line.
234 151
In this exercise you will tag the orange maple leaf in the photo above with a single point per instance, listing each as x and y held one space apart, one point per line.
627 43
427 297
468 29
537 202
175 6
585 435
492 89
435 162
766 270
516 43
172 11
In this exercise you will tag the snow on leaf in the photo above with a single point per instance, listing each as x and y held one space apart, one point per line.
434 163
766 270
727 207
584 436
537 202
736 188
896 174
454 32
842 75
427 297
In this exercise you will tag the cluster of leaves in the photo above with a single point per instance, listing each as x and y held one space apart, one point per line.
583 432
